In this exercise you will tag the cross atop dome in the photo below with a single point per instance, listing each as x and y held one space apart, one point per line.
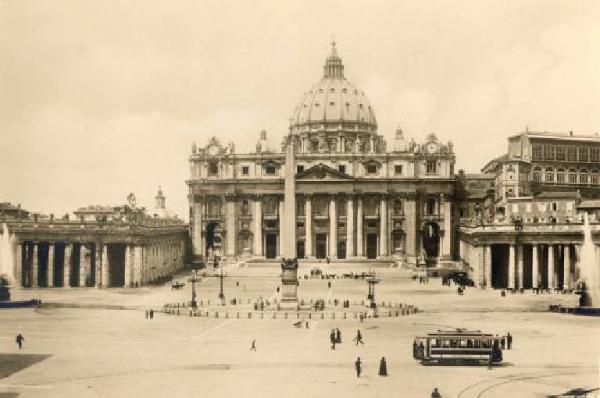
333 64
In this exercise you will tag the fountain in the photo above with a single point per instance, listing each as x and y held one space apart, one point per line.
6 263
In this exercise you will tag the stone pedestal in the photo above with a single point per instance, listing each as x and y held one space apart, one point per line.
289 283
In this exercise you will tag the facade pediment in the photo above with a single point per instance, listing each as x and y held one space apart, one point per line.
322 172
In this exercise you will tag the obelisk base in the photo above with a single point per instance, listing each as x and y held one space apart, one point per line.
289 283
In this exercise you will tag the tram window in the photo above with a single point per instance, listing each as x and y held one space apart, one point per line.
463 343
433 342
469 343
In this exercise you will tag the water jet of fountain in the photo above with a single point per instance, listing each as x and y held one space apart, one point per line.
588 269
6 255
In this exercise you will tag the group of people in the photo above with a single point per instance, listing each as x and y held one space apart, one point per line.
150 314
382 367
335 337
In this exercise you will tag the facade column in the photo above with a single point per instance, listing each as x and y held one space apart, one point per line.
447 238
231 226
383 221
35 265
128 266
350 227
487 265
332 228
67 260
519 254
197 246
535 267
18 273
84 265
551 281
359 228
281 231
105 267
258 235
511 267
308 235
567 267
50 266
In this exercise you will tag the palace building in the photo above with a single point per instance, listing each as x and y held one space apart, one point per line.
355 196
530 234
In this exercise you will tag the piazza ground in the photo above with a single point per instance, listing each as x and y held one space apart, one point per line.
97 343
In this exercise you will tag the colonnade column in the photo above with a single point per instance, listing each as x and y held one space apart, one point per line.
308 241
511 267
105 266
197 246
67 265
18 272
231 227
84 265
535 267
567 267
487 258
359 228
519 266
332 228
258 238
137 265
98 276
50 266
383 239
350 227
128 266
551 281
34 265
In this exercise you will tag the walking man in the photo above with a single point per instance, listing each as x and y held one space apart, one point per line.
20 340
332 338
358 367
508 340
358 337
253 346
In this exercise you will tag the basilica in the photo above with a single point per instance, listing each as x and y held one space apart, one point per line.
356 197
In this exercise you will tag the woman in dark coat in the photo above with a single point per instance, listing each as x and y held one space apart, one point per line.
382 367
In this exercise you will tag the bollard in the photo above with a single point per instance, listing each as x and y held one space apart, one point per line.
344 315
389 314
238 315
249 315
274 315
216 314
354 313
285 315
226 314
322 315
333 315
297 315
207 302
207 314
262 315
396 313
309 315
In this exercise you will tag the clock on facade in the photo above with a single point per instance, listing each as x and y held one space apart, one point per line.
431 147
213 150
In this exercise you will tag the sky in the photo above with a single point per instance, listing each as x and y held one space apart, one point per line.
102 98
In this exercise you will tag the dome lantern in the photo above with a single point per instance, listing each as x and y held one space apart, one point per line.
333 64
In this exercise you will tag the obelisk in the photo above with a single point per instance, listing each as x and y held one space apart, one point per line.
289 262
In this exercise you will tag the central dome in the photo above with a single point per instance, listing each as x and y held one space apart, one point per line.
334 104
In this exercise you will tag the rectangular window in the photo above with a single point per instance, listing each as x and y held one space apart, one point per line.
270 169
594 154
431 167
371 168
572 177
549 152
342 168
536 152
584 154
560 177
572 153
398 169
245 170
560 152
213 169
299 169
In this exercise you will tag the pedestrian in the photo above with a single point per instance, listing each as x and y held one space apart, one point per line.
358 337
327 260
329 284
147 314
421 350
253 345
382 367
358 367
503 342
151 313
508 340
332 338
338 336
415 349
20 340
490 362
436 393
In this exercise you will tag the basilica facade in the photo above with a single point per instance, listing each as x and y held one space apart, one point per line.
355 196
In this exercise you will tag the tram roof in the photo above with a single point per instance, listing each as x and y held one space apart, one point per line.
459 333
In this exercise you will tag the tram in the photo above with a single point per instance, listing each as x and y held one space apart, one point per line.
457 345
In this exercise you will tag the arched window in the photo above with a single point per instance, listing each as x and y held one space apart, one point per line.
583 177
560 176
549 177
537 174
572 176
213 168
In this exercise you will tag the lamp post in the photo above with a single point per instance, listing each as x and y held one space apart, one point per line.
221 293
372 281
